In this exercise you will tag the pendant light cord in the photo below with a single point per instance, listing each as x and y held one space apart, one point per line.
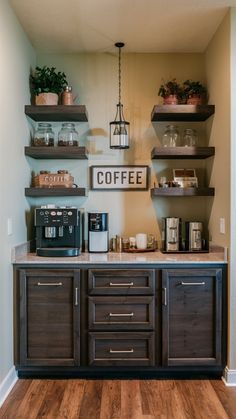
119 75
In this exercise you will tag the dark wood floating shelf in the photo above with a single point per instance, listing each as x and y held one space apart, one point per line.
55 192
182 192
182 112
182 152
73 113
56 152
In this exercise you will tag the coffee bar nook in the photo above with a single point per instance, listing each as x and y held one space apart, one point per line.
96 295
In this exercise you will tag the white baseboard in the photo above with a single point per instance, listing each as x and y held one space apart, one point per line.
229 377
7 384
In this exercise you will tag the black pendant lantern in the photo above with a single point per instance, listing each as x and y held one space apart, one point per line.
119 128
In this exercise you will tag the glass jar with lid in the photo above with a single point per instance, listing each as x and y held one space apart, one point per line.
44 135
190 137
170 137
68 136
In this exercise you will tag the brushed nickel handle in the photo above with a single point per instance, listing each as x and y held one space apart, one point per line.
165 296
49 284
127 351
121 284
193 283
76 296
121 314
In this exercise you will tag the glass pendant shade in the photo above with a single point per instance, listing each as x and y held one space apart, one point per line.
119 128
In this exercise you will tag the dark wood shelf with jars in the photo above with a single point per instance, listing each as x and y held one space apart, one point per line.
47 113
37 192
177 191
68 152
188 113
182 153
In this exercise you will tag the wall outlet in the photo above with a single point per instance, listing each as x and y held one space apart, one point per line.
9 226
222 225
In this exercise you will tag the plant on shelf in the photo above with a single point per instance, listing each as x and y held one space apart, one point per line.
47 84
170 91
195 92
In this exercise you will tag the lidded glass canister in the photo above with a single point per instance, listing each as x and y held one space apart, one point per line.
44 135
68 136
190 137
171 136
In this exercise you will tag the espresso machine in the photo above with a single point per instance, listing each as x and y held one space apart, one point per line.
194 231
58 231
171 234
98 240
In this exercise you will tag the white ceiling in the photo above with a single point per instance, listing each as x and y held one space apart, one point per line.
65 26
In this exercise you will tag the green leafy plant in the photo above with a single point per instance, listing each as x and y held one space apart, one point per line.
46 79
171 87
191 88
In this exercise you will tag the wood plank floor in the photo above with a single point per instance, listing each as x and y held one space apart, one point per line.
120 399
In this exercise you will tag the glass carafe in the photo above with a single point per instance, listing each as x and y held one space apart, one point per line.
171 136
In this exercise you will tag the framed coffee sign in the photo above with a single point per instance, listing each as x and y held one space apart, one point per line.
128 178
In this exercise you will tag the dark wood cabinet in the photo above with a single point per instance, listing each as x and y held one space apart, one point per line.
49 317
121 320
192 317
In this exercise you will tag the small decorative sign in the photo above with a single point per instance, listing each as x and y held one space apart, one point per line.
129 178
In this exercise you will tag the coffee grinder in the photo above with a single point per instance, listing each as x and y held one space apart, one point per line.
58 231
171 234
98 240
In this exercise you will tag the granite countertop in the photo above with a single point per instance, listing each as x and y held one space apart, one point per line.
215 256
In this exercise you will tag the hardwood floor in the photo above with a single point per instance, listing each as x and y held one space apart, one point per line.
120 399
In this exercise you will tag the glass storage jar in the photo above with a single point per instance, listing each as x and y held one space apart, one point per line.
190 137
44 135
171 136
68 136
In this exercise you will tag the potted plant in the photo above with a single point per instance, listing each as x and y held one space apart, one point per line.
195 92
170 92
47 84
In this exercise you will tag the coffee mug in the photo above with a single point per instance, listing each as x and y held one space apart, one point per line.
141 241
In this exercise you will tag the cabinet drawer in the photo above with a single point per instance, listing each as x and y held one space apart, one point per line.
121 281
124 313
114 349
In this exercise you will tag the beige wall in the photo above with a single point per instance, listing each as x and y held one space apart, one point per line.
17 56
94 78
218 82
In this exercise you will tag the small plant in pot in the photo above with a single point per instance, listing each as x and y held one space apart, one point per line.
195 92
47 84
170 92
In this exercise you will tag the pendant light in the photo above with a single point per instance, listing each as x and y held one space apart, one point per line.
119 128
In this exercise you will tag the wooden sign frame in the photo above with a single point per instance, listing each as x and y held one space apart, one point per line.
119 178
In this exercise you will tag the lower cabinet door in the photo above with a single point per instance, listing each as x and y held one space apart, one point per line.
49 317
192 317
121 349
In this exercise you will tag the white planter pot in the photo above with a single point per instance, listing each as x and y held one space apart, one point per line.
46 99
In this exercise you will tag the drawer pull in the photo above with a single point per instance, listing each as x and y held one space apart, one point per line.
49 284
193 283
125 351
127 284
121 314
76 296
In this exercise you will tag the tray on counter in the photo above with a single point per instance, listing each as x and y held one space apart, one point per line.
190 252
151 249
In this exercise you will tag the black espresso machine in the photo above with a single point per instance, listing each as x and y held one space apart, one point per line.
58 231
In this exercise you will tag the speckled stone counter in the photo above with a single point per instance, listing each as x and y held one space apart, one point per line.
215 256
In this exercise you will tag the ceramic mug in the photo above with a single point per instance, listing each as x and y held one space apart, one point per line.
141 241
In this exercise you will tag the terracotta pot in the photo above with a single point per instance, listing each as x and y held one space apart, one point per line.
194 100
170 100
46 99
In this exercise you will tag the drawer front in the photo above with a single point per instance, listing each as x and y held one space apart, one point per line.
121 281
117 349
121 313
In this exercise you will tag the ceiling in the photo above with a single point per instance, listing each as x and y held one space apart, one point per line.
69 26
